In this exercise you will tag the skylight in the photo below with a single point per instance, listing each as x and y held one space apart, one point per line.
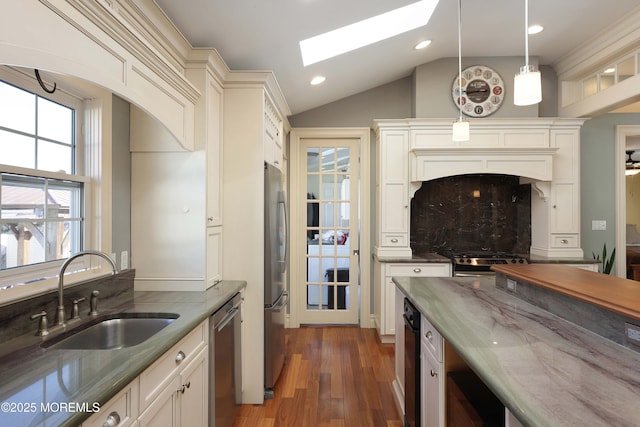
366 32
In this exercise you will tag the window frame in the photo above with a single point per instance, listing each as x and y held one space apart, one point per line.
25 281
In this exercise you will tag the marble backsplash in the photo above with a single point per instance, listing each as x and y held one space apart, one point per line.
114 290
472 213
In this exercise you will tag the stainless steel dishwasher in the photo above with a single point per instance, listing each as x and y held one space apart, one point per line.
225 378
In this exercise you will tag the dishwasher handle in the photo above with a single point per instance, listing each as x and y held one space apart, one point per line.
227 318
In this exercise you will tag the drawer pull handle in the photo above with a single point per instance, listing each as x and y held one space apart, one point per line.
564 241
180 356
434 373
394 240
112 420
429 336
417 270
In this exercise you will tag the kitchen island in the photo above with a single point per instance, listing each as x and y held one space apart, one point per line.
547 371
64 387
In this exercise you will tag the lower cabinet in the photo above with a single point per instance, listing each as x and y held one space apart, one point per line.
183 401
432 376
172 392
120 411
384 300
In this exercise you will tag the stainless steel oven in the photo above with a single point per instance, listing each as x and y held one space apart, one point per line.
479 264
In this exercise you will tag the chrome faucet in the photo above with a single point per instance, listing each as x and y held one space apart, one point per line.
60 311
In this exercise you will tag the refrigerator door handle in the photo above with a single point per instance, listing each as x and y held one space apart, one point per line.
285 258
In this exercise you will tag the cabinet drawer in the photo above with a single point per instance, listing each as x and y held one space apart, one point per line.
121 410
394 240
419 270
564 241
431 338
154 379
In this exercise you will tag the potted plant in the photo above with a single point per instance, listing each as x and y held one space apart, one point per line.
607 264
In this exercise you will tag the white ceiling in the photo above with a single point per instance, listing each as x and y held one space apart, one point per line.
264 35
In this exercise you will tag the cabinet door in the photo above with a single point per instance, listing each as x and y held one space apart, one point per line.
162 411
213 121
431 371
399 362
389 325
214 256
192 400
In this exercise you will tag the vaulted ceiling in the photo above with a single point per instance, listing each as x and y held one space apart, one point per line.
265 35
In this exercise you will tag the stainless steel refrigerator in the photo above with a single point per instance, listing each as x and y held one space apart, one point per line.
275 266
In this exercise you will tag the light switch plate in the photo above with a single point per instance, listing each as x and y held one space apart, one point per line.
124 260
598 224
511 285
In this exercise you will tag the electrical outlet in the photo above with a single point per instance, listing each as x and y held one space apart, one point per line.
511 285
632 332
598 224
124 260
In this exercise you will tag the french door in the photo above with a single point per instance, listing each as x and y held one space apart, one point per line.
328 284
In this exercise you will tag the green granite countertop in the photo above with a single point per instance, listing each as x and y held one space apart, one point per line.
546 370
34 378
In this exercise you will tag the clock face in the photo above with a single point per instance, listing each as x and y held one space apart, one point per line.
482 91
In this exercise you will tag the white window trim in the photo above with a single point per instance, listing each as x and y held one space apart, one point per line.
93 166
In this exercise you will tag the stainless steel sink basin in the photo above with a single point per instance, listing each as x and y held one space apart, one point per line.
112 332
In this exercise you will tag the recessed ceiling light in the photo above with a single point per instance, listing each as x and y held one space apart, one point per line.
609 70
422 44
366 32
535 29
317 80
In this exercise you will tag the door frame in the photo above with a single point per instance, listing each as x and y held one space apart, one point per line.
622 133
296 215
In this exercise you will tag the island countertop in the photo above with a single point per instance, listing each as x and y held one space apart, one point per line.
34 378
546 370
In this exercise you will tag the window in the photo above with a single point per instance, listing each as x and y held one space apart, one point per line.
41 196
40 219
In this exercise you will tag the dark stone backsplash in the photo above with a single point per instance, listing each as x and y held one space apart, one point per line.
472 213
15 317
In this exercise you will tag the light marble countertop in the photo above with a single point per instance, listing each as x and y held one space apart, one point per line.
547 371
35 376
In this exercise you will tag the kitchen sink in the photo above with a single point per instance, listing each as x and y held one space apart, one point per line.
112 332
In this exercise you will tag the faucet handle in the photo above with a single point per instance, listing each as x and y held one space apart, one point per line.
93 303
74 310
42 323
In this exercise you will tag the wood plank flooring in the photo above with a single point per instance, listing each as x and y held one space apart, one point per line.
333 376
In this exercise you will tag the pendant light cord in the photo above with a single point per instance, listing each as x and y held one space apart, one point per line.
526 33
460 58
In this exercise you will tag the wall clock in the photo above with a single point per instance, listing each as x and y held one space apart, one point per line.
482 91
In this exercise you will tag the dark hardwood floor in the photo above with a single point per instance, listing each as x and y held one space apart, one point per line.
333 376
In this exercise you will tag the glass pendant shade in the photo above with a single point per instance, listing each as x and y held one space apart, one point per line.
527 86
461 130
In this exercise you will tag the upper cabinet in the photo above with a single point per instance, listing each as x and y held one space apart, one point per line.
392 192
273 135
176 217
544 152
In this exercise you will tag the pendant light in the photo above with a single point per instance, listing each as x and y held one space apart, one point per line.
527 85
460 126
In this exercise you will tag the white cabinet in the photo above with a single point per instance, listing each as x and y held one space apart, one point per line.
214 257
555 220
120 411
392 192
432 375
273 135
384 301
174 389
398 382
247 98
177 193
